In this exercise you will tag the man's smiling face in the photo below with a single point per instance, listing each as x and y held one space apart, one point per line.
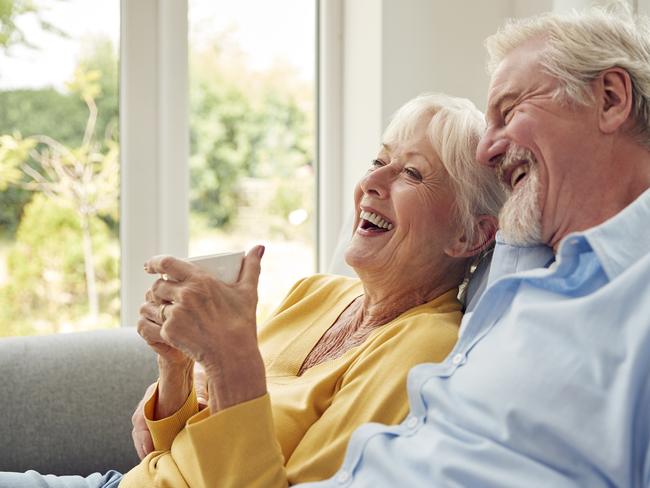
540 145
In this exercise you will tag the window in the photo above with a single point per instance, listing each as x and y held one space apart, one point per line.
250 151
252 135
59 166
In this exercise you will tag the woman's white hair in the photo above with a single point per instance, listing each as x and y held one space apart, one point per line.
454 131
582 44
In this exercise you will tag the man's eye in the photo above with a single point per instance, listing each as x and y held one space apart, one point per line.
506 115
413 173
377 163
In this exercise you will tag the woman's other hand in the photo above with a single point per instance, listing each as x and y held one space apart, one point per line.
152 314
140 433
214 324
200 386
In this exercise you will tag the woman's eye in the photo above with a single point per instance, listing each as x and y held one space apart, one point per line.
413 173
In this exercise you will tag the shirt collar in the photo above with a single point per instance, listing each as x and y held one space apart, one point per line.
508 259
622 240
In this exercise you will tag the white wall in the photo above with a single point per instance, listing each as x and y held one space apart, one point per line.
438 48
642 6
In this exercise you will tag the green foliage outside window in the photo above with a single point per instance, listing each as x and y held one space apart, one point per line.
251 147
10 32
246 124
47 290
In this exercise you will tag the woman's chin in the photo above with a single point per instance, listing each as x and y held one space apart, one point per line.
359 259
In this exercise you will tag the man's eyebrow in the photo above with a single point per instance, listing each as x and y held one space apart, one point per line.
386 146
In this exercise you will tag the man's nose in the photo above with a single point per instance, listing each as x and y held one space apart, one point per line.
491 148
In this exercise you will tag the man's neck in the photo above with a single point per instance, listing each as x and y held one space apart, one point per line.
629 177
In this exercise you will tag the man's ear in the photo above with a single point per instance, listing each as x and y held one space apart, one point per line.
485 228
614 96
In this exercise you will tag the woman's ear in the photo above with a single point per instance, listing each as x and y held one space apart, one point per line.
485 228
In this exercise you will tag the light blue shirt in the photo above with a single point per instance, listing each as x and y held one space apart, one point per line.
548 385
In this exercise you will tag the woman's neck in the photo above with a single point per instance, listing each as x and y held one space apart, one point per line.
382 302
389 294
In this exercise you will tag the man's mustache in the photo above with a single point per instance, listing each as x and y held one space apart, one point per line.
513 156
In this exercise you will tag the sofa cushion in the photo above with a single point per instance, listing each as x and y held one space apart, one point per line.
66 400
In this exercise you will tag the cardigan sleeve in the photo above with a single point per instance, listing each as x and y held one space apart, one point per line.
164 431
233 448
244 453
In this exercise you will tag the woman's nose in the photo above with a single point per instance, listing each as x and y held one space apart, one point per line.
491 148
377 182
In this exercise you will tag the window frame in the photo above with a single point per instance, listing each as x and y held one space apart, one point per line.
329 138
154 141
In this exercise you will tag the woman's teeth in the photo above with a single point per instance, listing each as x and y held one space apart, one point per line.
376 220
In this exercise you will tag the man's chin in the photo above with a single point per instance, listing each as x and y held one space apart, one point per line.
520 220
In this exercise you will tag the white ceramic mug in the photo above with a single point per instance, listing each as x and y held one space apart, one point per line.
224 266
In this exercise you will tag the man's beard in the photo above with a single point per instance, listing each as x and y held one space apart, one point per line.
520 219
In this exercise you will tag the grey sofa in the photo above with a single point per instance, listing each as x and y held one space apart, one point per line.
66 400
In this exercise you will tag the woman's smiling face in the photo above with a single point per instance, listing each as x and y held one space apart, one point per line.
405 208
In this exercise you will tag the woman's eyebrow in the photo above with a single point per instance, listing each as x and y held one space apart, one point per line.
388 148
410 154
415 153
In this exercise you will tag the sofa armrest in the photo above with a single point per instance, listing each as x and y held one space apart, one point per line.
66 400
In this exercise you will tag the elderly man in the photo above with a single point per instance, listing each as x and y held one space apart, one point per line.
549 384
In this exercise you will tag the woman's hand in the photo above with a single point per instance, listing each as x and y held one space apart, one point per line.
174 367
140 433
149 325
214 324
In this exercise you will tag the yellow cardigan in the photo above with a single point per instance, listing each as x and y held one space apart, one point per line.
299 430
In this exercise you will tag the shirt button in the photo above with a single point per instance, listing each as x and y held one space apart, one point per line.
412 422
343 477
457 359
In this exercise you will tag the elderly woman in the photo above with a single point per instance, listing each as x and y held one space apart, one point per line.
283 402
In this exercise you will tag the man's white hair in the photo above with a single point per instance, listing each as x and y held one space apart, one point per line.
582 44
454 130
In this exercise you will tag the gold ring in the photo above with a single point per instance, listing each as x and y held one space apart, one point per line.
162 312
